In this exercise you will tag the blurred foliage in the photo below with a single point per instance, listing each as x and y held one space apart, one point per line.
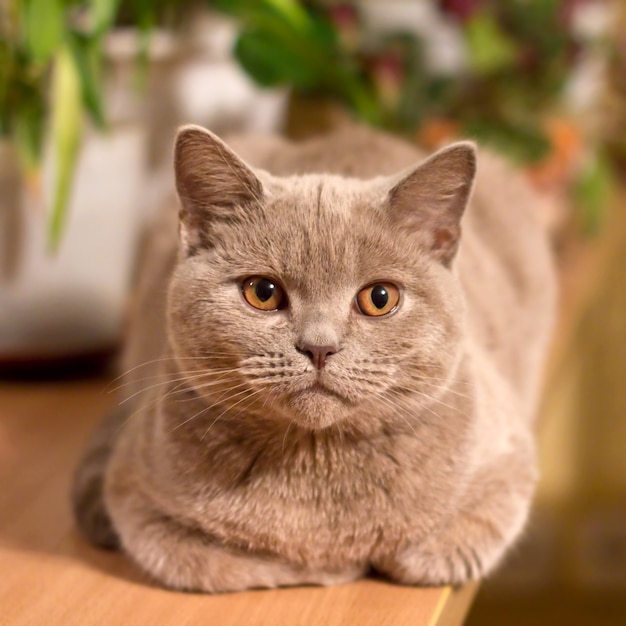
519 56
51 54
592 191
51 70
285 42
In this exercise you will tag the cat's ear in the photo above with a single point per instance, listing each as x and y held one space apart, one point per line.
213 183
431 198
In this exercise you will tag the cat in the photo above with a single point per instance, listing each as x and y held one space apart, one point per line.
324 376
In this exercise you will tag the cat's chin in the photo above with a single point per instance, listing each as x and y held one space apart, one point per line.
317 407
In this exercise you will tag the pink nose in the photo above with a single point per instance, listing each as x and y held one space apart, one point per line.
317 354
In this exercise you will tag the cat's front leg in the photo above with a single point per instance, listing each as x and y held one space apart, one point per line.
476 537
184 557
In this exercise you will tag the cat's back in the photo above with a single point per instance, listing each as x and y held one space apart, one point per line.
507 272
351 151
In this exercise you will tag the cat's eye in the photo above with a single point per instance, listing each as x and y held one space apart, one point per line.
378 299
263 293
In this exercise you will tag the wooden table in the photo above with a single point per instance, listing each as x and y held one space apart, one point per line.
49 575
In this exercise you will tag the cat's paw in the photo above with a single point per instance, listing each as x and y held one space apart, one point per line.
441 563
183 557
196 565
469 548
474 540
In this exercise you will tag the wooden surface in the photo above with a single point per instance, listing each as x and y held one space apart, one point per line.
48 575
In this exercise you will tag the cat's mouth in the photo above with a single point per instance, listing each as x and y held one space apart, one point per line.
316 404
321 389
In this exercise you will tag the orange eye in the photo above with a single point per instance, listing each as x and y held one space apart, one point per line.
263 293
378 299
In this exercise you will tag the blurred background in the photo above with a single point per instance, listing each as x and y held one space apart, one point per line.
91 93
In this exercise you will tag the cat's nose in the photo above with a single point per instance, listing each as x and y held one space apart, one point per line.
317 354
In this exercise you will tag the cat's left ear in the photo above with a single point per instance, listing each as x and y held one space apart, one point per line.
213 184
431 198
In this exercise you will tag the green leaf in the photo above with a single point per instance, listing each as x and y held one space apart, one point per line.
87 56
103 13
146 22
291 12
8 71
28 131
271 63
522 143
592 191
44 24
323 32
490 48
66 138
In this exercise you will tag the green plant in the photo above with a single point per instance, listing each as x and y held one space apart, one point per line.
285 42
519 56
51 72
51 57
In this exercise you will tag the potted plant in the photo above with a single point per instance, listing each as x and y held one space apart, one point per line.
383 63
76 140
66 91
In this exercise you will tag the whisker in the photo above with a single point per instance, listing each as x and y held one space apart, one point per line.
180 390
182 381
230 408
219 401
198 372
285 435
450 381
444 388
174 358
140 365
441 402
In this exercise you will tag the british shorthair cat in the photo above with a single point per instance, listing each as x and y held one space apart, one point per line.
333 366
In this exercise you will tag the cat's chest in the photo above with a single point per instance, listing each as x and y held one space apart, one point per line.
316 500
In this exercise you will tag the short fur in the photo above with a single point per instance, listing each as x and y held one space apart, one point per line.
236 463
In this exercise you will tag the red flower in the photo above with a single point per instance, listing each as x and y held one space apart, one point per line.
462 10
343 15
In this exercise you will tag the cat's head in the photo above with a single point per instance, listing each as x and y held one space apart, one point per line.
316 299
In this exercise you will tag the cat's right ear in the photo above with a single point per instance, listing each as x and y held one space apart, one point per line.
213 183
431 198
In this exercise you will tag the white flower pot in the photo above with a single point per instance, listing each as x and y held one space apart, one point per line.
72 302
